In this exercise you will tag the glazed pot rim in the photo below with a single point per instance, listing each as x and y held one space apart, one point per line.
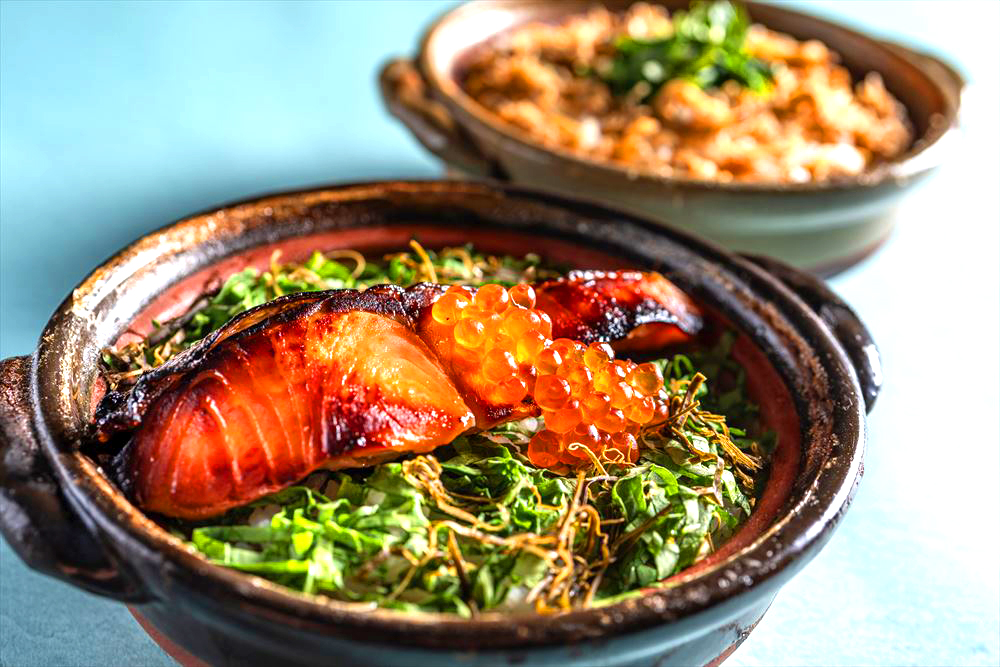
798 532
922 155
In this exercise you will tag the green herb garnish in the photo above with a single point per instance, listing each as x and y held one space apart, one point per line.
706 47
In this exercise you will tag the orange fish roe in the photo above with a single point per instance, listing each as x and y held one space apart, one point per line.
470 333
588 399
448 309
522 295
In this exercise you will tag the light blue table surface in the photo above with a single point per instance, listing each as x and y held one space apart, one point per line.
117 118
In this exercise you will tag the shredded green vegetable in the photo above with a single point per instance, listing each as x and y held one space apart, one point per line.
705 47
475 526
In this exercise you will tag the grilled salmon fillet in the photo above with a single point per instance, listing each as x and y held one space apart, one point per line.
340 379
633 310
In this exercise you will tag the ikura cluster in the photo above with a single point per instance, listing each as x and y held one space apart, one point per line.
593 404
497 333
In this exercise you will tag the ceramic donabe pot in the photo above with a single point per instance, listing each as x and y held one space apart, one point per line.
822 227
811 366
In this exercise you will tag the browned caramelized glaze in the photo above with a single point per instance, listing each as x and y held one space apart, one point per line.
347 378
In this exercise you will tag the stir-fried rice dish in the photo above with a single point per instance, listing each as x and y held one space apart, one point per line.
700 94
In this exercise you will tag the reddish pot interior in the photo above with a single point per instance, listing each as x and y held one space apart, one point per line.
763 382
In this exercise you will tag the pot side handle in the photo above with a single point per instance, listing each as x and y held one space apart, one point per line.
405 94
35 517
845 324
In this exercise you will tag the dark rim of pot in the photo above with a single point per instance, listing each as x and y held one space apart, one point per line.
801 348
913 162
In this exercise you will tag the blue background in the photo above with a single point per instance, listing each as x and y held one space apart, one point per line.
116 118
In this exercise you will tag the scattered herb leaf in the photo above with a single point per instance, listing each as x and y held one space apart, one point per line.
706 47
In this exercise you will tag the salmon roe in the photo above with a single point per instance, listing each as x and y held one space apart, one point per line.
593 405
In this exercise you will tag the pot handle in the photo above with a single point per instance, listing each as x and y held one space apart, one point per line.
405 94
843 322
36 518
